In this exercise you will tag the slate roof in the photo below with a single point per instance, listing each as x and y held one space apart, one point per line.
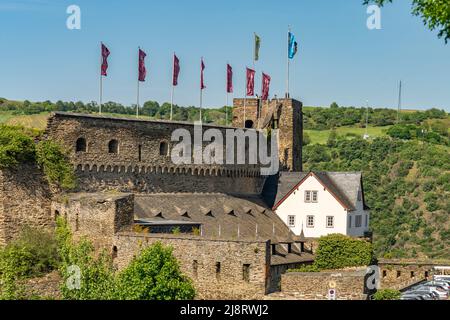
226 211
343 185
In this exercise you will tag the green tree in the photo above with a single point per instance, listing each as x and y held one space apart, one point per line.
154 275
435 14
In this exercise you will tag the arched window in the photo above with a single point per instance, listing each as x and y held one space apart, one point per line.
163 148
113 146
248 124
81 145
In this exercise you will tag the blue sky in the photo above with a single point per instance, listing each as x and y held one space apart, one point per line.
339 59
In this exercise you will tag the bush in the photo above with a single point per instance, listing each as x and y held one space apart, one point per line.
55 164
154 275
337 251
387 294
15 147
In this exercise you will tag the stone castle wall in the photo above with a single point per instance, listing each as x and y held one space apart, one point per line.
138 165
286 115
25 199
97 216
348 285
220 269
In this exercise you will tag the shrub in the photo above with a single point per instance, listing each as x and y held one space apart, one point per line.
55 164
387 294
154 275
337 251
15 147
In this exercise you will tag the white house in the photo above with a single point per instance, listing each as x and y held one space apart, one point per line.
321 203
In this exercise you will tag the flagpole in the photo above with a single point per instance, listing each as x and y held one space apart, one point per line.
226 110
201 89
287 74
137 100
101 81
173 88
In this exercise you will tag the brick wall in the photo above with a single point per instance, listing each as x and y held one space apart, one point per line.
206 254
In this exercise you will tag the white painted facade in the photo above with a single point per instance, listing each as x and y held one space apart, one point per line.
327 213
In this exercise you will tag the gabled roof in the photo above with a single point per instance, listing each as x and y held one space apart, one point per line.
343 186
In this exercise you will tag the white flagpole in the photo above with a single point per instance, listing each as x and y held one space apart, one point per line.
137 100
287 74
173 88
101 81
201 89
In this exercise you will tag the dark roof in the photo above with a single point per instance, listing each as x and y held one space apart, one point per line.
214 211
227 212
343 185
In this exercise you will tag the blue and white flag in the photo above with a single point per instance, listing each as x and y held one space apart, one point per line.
292 46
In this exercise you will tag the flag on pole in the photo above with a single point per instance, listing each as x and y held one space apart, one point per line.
142 70
105 54
229 79
176 70
257 46
292 46
250 82
202 82
265 86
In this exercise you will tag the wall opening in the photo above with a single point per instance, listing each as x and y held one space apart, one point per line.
412 274
114 252
246 272
195 268
57 214
399 274
248 124
113 146
77 224
384 273
218 270
163 148
81 145
140 152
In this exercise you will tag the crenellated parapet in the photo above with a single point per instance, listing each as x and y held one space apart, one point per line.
134 155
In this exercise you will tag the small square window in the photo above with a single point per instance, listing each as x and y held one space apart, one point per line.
291 221
310 221
314 196
330 222
307 196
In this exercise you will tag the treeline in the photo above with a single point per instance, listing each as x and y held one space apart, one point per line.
150 109
335 116
316 118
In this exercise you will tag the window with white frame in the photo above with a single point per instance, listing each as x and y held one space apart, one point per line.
307 196
310 221
330 221
358 221
291 221
349 221
314 196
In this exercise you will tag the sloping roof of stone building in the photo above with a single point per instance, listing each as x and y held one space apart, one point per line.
226 213
343 186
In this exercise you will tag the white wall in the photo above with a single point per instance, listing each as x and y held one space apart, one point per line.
327 205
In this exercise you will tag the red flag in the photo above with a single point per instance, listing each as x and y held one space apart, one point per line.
202 82
176 70
229 79
142 70
250 82
265 86
105 54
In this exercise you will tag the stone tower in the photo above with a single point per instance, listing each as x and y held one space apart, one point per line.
283 114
